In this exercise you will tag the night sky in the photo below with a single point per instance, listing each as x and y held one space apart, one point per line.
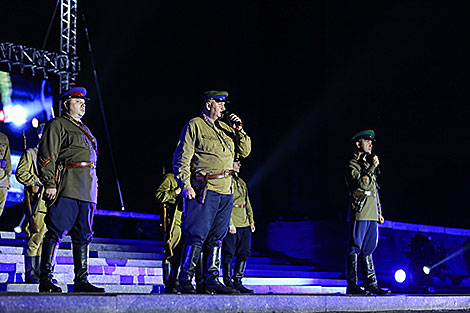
304 76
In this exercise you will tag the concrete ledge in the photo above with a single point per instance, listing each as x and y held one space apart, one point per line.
34 302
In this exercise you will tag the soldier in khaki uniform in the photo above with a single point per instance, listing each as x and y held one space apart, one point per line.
5 170
365 213
237 243
27 174
67 168
202 164
169 195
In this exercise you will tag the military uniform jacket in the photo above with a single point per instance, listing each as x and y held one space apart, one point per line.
62 139
5 161
166 191
361 175
27 175
241 216
208 148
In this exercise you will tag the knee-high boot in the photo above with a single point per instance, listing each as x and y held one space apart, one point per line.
49 250
351 273
169 277
227 271
368 275
80 263
239 270
31 269
190 257
211 274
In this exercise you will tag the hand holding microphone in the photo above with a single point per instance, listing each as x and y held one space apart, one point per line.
233 120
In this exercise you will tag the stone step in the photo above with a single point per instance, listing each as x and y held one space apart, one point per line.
97 279
7 259
142 289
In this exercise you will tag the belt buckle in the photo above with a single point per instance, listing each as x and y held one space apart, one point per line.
92 164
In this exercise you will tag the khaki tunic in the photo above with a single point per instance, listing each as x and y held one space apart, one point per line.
62 139
166 195
241 217
26 174
5 172
208 148
361 175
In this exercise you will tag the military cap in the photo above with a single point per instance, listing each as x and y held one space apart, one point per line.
216 95
365 134
76 92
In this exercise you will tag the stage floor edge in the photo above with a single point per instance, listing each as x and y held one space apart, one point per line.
74 302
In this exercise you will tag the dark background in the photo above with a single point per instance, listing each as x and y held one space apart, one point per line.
303 75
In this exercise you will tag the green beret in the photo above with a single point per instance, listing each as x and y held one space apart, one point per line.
365 134
213 94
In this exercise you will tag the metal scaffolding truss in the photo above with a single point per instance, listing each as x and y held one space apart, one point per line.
65 63
68 40
36 60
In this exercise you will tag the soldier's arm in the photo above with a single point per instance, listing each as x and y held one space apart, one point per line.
360 178
184 153
243 143
48 152
25 171
8 160
165 192
249 209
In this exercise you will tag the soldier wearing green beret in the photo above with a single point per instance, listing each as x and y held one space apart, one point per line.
27 174
202 164
67 158
5 170
365 213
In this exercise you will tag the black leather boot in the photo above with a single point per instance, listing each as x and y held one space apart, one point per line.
199 278
227 271
169 277
239 270
211 275
49 250
80 263
31 269
368 275
351 272
190 257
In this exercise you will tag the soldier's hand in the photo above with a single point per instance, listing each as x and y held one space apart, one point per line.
381 219
50 193
376 161
188 193
178 190
232 229
236 121
253 228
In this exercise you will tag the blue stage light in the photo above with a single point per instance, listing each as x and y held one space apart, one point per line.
400 276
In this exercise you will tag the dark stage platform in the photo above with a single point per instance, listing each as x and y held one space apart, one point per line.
34 302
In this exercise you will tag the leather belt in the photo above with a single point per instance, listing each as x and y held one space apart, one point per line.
80 164
239 205
216 176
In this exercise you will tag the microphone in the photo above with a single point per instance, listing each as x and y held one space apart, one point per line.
230 122
369 158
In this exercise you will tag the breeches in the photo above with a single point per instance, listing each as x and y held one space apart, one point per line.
3 198
34 244
207 223
238 244
363 237
71 216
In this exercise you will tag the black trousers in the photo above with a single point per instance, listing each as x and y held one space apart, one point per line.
237 245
